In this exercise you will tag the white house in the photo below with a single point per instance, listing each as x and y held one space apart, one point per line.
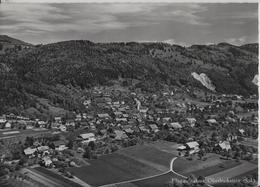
29 151
225 145
174 125
47 161
8 125
191 121
43 148
192 147
211 121
88 137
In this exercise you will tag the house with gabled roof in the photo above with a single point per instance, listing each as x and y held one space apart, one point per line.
154 128
87 137
191 121
192 147
174 125
225 145
29 151
211 121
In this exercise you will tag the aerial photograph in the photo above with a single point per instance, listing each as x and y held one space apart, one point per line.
108 94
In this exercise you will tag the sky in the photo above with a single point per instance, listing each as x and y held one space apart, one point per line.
175 23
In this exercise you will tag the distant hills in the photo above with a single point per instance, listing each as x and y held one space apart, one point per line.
58 73
4 39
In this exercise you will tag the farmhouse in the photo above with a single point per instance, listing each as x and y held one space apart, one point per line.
29 151
87 137
47 161
174 125
182 150
211 121
225 145
60 145
191 121
42 148
8 125
192 147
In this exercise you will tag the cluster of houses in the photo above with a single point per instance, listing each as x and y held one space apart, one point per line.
12 121
118 117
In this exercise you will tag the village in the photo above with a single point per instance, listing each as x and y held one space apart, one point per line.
113 120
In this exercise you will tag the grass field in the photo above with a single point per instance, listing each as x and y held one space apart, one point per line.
186 167
150 156
246 174
216 168
234 171
111 169
127 164
150 159
165 146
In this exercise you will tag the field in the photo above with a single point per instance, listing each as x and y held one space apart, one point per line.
127 164
186 167
240 178
112 169
216 168
246 174
165 146
233 172
149 155
55 177
142 161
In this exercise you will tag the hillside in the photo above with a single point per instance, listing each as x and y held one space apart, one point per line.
59 72
8 44
4 39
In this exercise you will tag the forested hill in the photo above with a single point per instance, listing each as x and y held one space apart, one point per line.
59 72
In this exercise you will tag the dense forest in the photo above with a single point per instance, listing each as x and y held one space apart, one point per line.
59 72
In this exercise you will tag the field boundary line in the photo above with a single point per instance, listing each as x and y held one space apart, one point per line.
144 178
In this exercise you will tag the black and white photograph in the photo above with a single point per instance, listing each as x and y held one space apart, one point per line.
128 94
